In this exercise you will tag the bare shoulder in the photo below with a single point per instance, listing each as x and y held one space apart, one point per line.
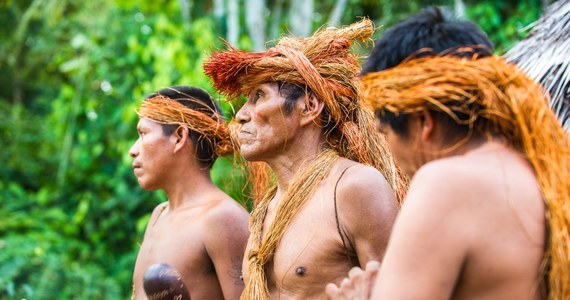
367 208
459 190
225 232
225 220
362 186
463 179
444 181
157 211
159 208
225 211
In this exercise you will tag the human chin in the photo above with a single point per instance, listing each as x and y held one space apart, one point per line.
248 152
145 183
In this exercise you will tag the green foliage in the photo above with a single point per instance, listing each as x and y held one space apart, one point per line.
504 21
73 73
73 211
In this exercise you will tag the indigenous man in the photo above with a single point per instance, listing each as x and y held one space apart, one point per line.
194 243
487 214
333 202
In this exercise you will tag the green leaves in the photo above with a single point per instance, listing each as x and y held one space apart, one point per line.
504 21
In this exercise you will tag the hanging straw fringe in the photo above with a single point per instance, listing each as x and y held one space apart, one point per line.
164 110
499 99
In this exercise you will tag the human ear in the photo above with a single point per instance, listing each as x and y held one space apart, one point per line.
180 136
312 108
427 125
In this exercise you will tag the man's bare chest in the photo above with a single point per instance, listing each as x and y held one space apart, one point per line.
311 251
173 243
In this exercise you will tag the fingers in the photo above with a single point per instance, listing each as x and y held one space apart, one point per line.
345 290
358 284
346 285
373 265
372 269
333 292
355 272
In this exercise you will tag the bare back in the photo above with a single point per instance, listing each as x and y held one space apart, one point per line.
203 242
472 227
312 252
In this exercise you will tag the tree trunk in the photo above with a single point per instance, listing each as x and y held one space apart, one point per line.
336 15
255 18
459 8
300 17
276 13
185 8
233 22
219 9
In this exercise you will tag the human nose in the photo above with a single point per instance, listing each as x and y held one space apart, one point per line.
243 114
134 151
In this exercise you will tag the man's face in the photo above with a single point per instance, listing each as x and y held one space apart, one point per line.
265 127
152 155
406 149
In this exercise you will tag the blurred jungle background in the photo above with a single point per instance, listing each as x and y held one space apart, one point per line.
71 75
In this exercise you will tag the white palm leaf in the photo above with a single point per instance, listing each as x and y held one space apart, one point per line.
545 56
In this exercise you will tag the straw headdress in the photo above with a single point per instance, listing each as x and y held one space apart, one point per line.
499 100
207 122
324 64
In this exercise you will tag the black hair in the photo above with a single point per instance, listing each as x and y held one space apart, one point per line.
292 92
199 100
399 123
432 29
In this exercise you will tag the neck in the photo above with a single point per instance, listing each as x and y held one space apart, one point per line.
463 147
288 164
188 185
443 147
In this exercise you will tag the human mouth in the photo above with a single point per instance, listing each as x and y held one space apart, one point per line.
242 134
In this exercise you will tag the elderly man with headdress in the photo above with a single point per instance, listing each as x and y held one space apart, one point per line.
487 214
333 197
194 243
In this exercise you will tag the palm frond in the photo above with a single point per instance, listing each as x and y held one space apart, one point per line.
545 56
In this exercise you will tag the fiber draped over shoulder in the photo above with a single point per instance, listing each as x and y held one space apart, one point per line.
498 99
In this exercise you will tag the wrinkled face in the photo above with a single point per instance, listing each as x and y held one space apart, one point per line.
406 149
265 128
152 155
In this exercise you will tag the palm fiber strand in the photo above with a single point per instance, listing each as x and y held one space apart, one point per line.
164 110
499 99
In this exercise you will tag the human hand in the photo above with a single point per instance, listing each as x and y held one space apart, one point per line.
358 284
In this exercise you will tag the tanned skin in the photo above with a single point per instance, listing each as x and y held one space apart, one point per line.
472 225
311 252
200 231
